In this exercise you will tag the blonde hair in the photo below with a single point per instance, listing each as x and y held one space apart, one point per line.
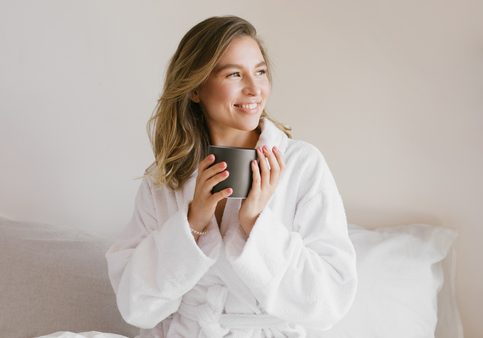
177 129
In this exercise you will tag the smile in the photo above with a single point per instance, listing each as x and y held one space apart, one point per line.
247 106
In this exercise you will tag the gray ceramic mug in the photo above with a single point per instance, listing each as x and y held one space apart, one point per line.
238 162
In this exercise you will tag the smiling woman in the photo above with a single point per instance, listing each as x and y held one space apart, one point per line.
194 263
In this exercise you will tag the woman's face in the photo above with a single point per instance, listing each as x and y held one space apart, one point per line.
235 93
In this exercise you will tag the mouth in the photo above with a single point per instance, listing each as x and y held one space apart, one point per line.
248 107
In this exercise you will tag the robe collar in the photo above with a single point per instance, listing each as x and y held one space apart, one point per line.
271 136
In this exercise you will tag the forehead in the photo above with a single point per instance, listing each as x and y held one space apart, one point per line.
242 50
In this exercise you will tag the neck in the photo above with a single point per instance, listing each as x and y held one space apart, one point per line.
242 139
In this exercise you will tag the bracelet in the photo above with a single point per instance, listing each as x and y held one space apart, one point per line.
199 233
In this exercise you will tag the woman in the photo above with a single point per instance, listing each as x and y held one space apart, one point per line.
196 264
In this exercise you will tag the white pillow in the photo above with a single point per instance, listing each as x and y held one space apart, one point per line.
400 274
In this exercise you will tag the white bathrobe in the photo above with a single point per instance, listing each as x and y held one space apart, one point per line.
294 276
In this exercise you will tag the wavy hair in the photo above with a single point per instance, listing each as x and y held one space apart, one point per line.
177 128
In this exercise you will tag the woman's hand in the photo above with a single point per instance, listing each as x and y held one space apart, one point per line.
264 182
203 205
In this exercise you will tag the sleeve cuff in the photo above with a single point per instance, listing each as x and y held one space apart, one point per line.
267 253
174 240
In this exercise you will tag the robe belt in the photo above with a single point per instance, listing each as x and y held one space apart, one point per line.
210 320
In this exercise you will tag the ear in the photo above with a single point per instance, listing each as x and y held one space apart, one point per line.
195 97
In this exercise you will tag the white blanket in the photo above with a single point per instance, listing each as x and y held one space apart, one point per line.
91 334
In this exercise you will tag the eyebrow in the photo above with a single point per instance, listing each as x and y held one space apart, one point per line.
220 68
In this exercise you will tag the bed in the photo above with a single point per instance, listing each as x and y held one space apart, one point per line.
53 283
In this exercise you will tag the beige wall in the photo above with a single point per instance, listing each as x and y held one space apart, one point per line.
390 91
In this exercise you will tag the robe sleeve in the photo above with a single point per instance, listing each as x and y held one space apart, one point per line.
155 262
306 273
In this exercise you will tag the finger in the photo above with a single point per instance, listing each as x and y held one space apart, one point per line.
212 171
265 172
216 197
274 167
209 184
206 162
256 179
279 158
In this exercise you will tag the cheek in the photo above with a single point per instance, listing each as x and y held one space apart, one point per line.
226 92
220 95
267 89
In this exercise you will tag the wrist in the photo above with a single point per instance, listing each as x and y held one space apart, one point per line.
195 226
193 222
247 225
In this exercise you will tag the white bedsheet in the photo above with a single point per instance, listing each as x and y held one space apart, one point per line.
90 334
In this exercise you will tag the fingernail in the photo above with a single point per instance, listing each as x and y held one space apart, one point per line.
275 149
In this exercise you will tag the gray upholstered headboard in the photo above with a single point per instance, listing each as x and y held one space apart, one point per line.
54 279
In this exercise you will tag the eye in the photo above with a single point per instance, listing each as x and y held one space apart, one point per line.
235 74
262 72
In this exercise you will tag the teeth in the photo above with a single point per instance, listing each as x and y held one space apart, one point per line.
247 106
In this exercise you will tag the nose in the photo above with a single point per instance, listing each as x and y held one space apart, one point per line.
251 87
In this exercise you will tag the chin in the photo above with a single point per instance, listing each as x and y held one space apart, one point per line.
250 123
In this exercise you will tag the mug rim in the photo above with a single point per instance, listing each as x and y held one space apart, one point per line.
229 147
